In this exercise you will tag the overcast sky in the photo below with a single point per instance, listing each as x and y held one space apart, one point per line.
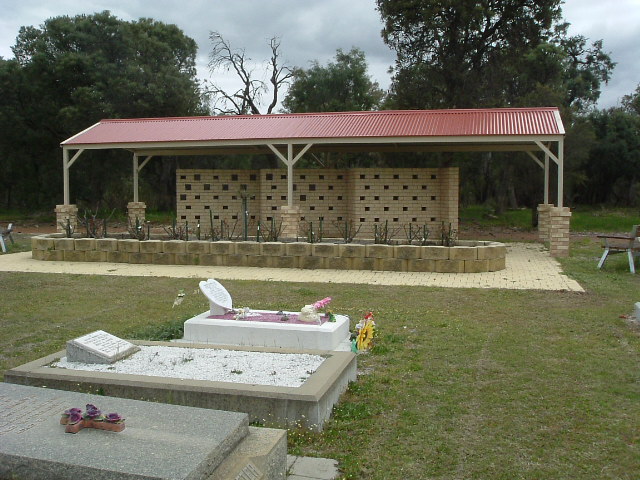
314 29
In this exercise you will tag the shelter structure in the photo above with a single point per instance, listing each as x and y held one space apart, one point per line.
537 131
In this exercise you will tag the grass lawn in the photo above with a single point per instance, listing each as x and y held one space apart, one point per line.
583 218
462 383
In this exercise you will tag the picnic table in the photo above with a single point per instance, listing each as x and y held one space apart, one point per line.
629 244
6 233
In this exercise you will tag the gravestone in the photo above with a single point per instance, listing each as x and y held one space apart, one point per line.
637 311
219 299
160 441
99 347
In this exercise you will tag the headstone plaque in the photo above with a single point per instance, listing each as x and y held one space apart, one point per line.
99 347
219 298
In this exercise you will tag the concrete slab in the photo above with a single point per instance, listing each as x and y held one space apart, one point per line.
309 405
311 468
159 441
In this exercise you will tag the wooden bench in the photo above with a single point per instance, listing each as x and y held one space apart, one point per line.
620 244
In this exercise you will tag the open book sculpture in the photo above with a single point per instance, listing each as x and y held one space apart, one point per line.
219 299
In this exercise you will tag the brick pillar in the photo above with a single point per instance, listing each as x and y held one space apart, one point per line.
290 219
64 213
449 196
136 210
559 225
544 210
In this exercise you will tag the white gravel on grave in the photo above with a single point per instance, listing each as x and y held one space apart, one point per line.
258 368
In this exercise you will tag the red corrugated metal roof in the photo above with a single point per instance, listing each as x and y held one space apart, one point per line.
379 124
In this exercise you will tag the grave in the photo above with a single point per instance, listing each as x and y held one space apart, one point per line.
160 441
222 325
308 405
99 347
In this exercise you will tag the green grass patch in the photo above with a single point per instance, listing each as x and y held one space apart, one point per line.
24 216
583 218
463 383
485 216
589 219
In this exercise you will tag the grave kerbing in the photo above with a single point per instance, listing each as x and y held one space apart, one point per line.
99 347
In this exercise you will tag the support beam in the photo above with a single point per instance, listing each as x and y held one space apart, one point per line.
547 151
145 161
290 175
135 177
66 165
137 168
290 161
546 179
535 159
75 157
560 172
65 175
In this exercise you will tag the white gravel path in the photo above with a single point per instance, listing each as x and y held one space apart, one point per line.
258 368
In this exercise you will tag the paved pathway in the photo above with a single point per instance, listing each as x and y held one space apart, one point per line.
529 267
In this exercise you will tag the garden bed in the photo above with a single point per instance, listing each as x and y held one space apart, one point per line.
466 257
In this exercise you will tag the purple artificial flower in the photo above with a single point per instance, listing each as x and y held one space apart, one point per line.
71 411
93 412
75 417
114 418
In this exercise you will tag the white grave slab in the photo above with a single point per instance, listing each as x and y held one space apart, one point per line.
219 299
99 347
328 336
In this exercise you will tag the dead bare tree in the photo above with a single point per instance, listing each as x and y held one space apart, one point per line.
247 98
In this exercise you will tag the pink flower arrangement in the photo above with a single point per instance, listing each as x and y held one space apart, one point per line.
322 303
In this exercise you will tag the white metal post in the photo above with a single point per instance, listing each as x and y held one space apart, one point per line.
135 177
290 175
546 178
65 175
560 171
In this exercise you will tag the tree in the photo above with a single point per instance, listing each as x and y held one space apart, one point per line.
73 71
453 54
613 170
246 99
339 86
515 53
631 102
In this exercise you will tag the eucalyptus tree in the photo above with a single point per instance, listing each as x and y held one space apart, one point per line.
453 54
343 85
73 71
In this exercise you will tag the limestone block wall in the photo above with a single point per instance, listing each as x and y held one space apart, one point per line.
468 257
364 196
219 192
